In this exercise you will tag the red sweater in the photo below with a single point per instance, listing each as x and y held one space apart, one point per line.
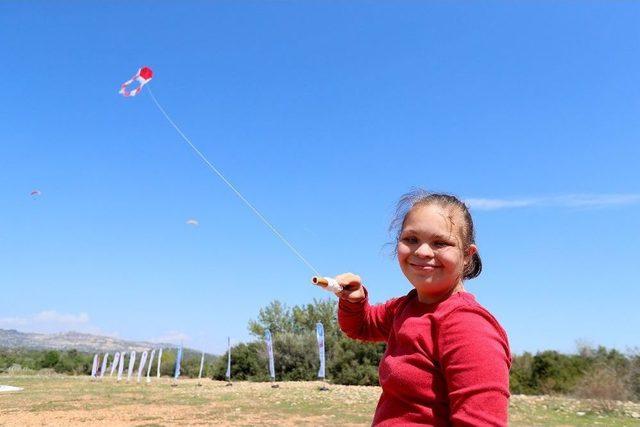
445 364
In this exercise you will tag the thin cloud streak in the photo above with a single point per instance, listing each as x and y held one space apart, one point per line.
568 201
171 337
47 316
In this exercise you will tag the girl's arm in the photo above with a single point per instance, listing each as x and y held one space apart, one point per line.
475 357
356 317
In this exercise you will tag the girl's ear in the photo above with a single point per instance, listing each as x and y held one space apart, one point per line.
471 250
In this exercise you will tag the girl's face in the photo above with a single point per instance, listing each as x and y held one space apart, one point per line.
430 252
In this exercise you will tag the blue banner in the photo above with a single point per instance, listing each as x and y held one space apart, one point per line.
228 375
178 361
320 337
272 370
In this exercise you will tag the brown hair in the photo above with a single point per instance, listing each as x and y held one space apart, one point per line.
420 197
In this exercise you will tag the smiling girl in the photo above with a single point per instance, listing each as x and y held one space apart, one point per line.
447 358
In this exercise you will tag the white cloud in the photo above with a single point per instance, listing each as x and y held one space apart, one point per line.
55 317
492 204
51 321
567 201
171 337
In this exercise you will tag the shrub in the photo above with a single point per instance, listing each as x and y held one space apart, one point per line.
604 385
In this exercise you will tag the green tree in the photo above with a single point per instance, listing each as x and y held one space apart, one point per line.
276 317
354 362
248 362
50 359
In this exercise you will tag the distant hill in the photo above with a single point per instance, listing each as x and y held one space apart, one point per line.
12 339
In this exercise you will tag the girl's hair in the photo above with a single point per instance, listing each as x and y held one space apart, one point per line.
420 197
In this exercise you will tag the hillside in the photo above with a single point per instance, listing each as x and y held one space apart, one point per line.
12 339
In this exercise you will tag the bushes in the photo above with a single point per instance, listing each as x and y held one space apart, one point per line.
603 384
248 363
355 363
295 348
594 373
63 362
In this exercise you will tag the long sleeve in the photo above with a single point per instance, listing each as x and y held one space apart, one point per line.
475 358
366 322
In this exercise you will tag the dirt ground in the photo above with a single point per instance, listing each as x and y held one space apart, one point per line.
68 401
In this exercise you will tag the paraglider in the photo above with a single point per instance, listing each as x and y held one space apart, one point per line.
142 76
35 193
193 222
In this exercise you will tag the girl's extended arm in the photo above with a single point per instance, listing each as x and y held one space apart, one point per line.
356 317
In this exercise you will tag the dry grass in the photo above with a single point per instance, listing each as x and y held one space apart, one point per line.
62 400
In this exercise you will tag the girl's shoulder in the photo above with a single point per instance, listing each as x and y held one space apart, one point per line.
460 301
462 308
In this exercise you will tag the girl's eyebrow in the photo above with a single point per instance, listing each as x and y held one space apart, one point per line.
435 236
442 237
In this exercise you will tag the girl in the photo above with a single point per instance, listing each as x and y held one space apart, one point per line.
447 358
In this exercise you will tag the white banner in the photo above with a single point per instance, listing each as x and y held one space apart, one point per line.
159 362
105 358
153 353
132 361
201 366
143 361
94 368
272 370
114 364
228 375
177 370
320 337
121 365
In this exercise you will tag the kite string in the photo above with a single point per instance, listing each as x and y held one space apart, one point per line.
226 181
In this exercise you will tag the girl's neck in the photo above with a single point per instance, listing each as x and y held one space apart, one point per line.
430 299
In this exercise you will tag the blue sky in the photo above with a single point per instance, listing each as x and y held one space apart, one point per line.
322 113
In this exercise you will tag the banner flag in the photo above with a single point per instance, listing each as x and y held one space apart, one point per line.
228 375
153 353
114 364
320 337
143 361
132 361
94 368
121 365
104 365
272 370
201 365
176 374
159 362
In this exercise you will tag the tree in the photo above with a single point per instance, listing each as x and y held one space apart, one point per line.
354 362
50 359
276 317
248 362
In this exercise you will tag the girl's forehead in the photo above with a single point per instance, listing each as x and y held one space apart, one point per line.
427 215
432 217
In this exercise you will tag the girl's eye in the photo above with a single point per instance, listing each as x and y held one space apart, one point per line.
409 240
441 244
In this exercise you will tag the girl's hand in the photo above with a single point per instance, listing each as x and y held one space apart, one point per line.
352 287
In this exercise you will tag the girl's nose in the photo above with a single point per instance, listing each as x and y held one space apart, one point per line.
424 251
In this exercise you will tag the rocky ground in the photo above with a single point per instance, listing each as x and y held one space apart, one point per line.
64 400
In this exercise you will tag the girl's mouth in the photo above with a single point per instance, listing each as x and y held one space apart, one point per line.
423 267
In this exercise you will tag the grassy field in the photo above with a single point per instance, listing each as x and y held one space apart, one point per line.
63 400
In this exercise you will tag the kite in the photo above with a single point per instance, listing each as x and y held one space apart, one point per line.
143 76
36 193
193 222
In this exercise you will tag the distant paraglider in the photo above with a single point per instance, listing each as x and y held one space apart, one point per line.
193 222
35 193
142 76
